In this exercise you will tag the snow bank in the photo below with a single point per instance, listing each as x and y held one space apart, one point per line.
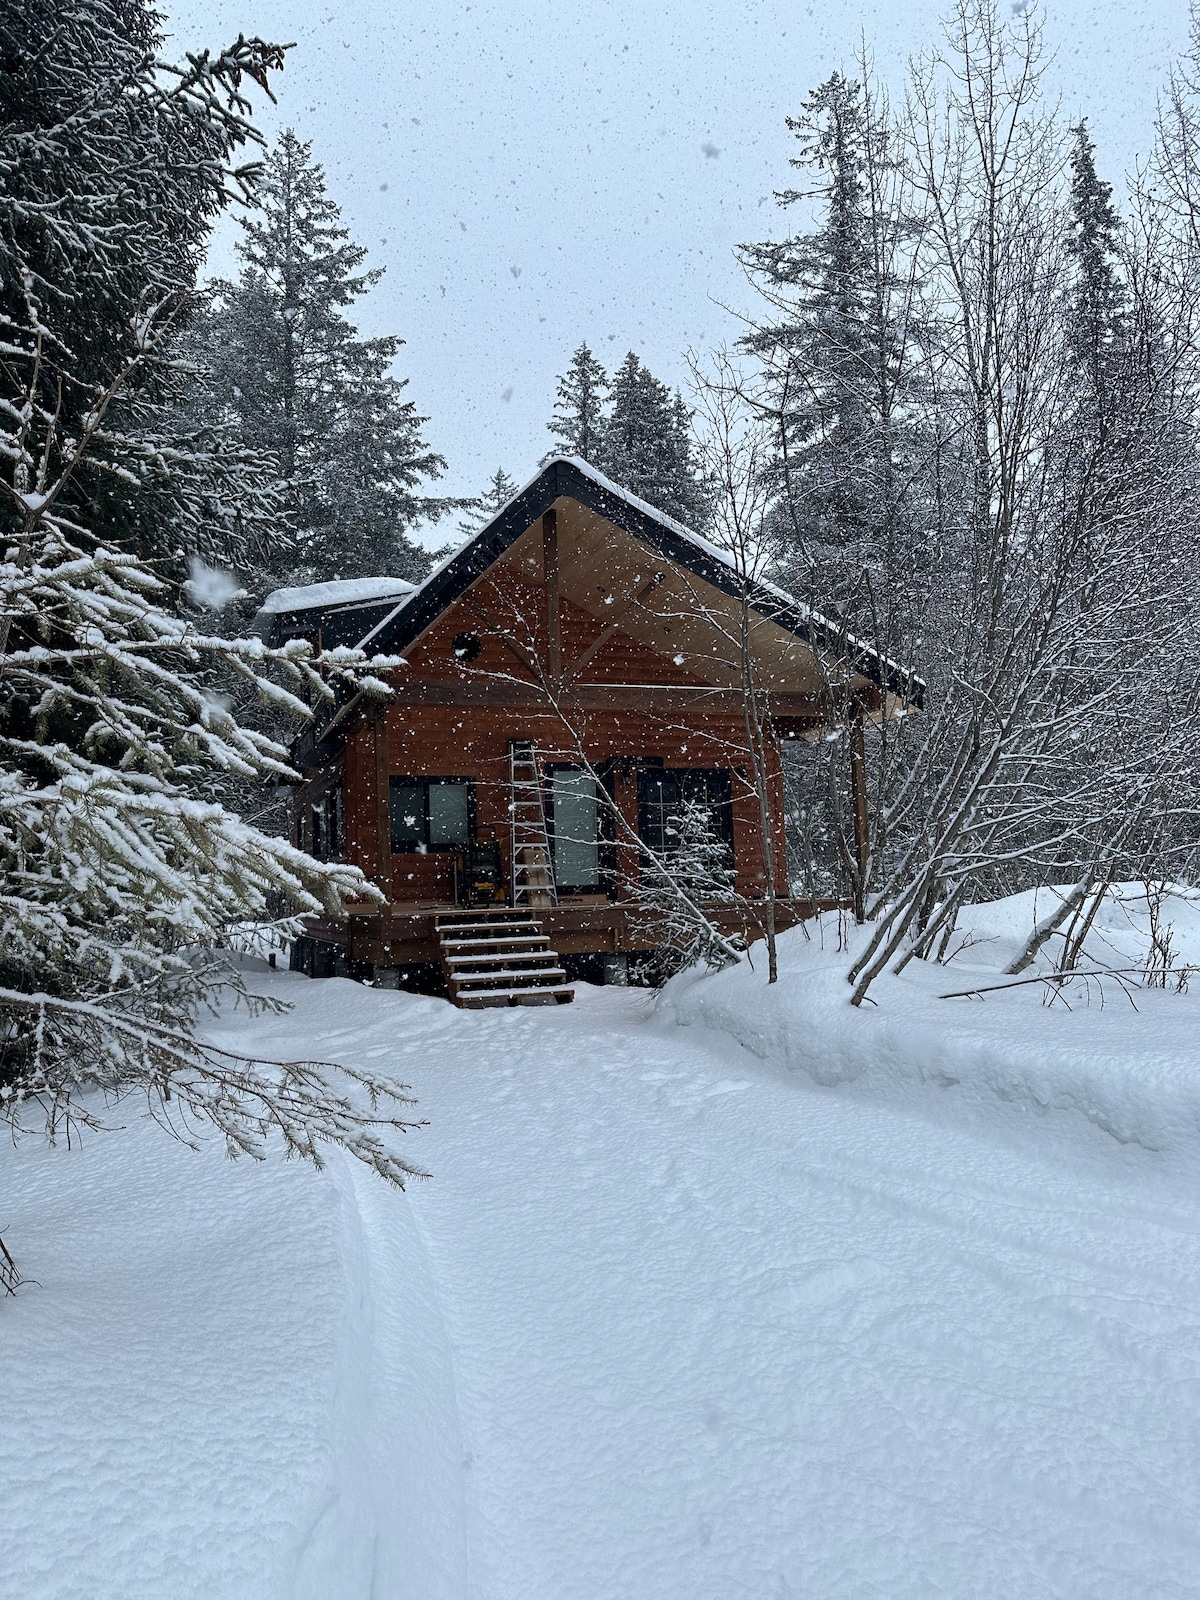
1125 1062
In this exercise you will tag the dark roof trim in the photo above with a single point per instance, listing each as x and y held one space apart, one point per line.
341 624
564 477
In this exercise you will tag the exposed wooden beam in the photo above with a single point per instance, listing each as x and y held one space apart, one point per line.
550 572
675 701
614 622
383 804
505 637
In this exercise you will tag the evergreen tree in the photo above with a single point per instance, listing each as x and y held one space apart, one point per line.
287 366
578 419
494 498
1096 301
635 431
118 885
98 252
646 444
834 354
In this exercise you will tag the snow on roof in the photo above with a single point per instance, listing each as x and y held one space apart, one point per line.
713 551
341 592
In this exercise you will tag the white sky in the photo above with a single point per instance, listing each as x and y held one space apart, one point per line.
536 172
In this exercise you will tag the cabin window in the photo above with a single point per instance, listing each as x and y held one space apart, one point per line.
575 828
664 791
449 819
430 813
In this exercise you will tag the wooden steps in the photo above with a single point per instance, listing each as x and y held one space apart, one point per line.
499 958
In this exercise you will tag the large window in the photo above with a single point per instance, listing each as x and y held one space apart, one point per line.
430 813
664 791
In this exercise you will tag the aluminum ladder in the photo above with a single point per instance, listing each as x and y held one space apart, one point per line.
532 867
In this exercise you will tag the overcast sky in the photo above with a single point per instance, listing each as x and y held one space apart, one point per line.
536 172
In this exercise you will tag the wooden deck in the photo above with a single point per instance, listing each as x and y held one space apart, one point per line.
405 933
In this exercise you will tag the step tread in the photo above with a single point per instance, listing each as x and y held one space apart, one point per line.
510 917
551 974
563 995
507 955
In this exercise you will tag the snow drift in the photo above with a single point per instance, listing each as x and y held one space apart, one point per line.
1115 1053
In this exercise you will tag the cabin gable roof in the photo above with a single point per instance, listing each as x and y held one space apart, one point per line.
571 479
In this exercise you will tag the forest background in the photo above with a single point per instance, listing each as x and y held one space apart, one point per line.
958 412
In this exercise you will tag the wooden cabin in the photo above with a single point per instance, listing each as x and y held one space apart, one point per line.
572 675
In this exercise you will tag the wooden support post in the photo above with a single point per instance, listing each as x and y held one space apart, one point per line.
383 803
858 789
550 569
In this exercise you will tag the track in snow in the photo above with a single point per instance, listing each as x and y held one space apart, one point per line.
670 1323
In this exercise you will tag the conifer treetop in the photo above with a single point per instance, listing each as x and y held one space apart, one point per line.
288 369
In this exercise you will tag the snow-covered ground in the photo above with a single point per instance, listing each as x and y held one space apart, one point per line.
737 1294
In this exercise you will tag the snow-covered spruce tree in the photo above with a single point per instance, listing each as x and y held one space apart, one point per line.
646 444
119 889
494 498
836 350
289 370
578 420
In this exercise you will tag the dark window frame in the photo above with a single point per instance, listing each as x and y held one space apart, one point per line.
720 805
424 782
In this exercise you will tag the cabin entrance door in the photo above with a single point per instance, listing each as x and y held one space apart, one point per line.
575 815
478 879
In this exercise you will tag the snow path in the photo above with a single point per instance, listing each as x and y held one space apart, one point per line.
714 1333
668 1323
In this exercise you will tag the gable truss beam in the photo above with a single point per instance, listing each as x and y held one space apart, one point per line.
660 700
550 573
505 636
612 625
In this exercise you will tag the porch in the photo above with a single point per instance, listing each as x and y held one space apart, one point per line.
404 934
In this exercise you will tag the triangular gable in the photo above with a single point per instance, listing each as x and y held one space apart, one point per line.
568 477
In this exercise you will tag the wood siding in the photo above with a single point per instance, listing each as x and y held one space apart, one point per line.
506 687
506 611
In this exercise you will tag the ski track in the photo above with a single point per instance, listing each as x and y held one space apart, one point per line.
669 1323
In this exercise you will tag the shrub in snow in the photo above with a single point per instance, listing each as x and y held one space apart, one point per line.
679 889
